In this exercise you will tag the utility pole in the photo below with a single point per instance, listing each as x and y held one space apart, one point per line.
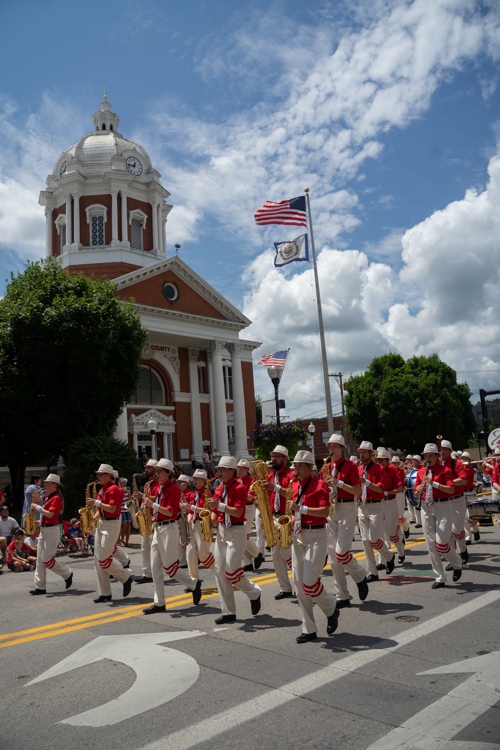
338 380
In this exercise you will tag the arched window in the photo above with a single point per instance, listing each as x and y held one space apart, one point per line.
151 389
103 126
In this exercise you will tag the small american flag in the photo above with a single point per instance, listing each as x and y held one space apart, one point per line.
291 212
277 359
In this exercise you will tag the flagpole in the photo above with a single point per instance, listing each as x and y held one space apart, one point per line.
328 396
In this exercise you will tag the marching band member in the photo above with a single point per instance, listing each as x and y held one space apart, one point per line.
390 508
108 505
198 548
370 513
435 486
345 488
229 503
415 513
278 481
153 490
252 557
184 482
165 546
495 476
50 534
311 503
470 497
458 501
118 553
400 496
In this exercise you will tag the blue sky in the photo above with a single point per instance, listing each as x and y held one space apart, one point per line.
388 111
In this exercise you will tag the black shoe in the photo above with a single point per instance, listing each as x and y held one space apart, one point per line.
38 592
467 542
371 578
381 566
306 637
69 580
418 525
197 593
412 521
438 585
127 586
457 575
225 618
112 578
341 603
154 609
101 599
407 533
255 605
333 622
143 579
465 557
391 564
477 536
126 566
401 559
449 567
248 568
258 561
284 595
363 589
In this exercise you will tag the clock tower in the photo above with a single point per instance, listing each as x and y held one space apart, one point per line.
104 204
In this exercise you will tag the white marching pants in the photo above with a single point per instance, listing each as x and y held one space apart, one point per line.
259 533
308 559
45 557
459 508
121 556
415 513
282 561
401 501
106 537
228 553
371 525
437 523
251 548
340 535
198 549
391 522
165 548
146 556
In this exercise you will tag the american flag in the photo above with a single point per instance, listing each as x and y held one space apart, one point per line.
276 359
291 212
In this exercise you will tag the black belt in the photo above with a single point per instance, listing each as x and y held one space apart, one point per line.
102 518
344 500
252 503
443 499
374 501
455 497
312 525
390 497
48 525
235 523
164 523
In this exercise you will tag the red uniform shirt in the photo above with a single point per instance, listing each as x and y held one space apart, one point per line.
471 473
440 474
153 489
247 483
376 474
168 497
458 472
495 477
197 497
283 477
401 474
392 479
233 494
314 493
11 549
347 471
111 495
53 503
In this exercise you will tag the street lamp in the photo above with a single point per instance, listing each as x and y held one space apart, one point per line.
311 428
275 374
152 432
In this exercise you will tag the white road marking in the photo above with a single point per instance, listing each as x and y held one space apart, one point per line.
222 722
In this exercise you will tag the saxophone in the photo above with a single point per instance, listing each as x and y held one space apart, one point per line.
325 472
143 515
131 506
205 514
87 512
285 522
29 518
259 469
184 526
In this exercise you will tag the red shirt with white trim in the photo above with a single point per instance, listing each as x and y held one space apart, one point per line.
401 474
471 473
392 478
283 477
458 472
347 471
495 477
376 474
110 494
440 474
169 497
247 483
314 493
236 497
54 502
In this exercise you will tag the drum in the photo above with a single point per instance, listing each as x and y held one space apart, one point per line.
473 501
410 482
491 506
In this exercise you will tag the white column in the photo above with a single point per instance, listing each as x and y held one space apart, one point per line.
164 233
135 442
240 421
219 399
121 429
166 447
69 232
114 215
155 225
48 230
160 232
196 446
124 217
213 433
76 238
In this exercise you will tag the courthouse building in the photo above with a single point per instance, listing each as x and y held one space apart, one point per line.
106 214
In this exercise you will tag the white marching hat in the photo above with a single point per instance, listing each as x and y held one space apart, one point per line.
383 453
395 460
152 462
497 452
246 464
336 439
115 473
303 457
200 474
446 444
465 454
105 469
227 462
353 458
365 446
281 449
416 457
53 478
165 463
430 448
184 478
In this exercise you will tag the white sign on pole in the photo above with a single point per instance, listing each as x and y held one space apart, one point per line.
494 439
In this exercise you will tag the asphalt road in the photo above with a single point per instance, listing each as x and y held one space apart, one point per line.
120 679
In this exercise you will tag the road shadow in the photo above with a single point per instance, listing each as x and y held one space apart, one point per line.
387 608
267 622
469 587
342 642
68 592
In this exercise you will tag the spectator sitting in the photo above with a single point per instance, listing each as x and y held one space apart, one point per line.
75 533
7 527
18 554
32 541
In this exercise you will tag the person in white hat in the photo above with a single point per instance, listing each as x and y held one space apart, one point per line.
198 548
370 514
390 509
278 480
108 504
471 525
400 496
342 477
229 505
148 484
311 505
165 547
50 510
435 485
458 501
252 557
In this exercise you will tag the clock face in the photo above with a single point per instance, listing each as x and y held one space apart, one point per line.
134 166
62 169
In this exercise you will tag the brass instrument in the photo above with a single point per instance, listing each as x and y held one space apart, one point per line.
143 515
29 518
285 522
131 504
259 469
205 515
184 531
325 472
87 512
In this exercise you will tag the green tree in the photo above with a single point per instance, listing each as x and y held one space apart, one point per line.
69 356
258 407
404 404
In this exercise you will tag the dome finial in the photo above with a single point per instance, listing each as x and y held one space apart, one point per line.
104 118
105 97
